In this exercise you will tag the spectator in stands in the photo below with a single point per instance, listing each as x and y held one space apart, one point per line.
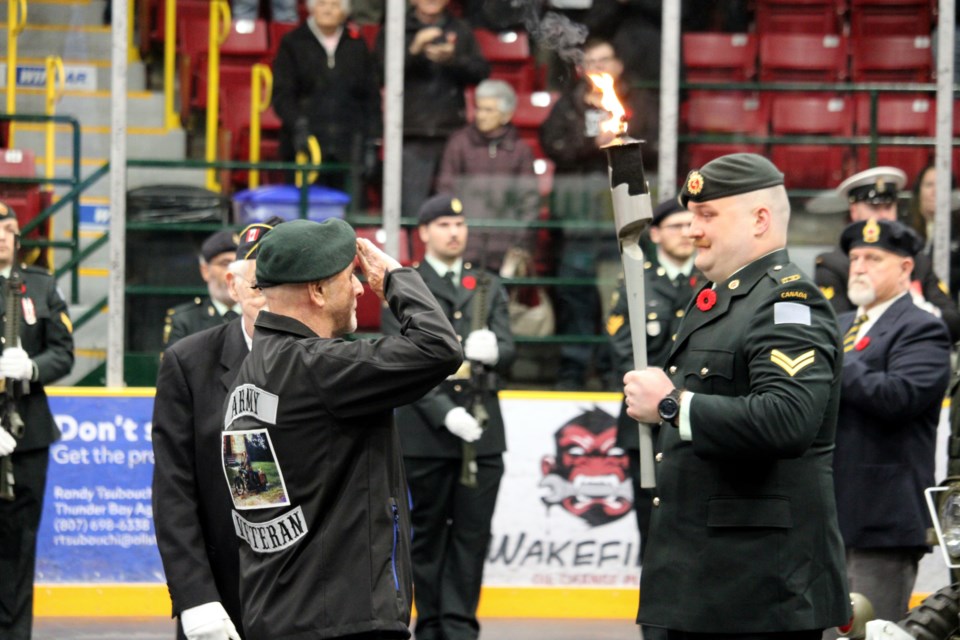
920 214
491 169
281 10
442 58
571 137
873 194
325 86
216 254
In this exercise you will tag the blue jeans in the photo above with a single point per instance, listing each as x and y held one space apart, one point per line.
280 10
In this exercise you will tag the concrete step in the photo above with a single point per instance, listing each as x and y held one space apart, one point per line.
93 108
155 143
94 74
74 42
79 12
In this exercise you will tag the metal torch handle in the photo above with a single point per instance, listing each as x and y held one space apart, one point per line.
632 256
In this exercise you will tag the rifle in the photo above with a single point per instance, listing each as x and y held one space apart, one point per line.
9 416
479 376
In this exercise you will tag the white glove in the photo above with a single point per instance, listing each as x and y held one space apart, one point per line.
208 622
7 443
462 424
16 364
481 346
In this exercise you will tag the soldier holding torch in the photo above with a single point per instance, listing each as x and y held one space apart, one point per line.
744 527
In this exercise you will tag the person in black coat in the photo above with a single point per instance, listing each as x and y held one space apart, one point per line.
325 85
451 521
743 537
197 542
873 194
45 353
896 367
442 58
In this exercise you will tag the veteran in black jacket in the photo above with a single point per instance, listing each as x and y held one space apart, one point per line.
896 367
44 355
197 542
451 521
743 537
309 447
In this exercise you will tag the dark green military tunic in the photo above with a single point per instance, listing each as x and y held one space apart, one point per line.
192 317
744 536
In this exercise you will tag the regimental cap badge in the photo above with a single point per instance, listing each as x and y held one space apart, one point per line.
871 231
694 183
456 206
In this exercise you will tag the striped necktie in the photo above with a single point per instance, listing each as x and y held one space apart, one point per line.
851 336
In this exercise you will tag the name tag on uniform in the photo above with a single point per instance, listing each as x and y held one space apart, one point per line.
791 313
273 536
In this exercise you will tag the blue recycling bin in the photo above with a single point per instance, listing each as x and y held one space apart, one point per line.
258 205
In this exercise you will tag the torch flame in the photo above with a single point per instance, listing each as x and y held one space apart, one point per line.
617 122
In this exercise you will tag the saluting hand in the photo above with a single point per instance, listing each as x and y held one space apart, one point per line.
643 391
375 265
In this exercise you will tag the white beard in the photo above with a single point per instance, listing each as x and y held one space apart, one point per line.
861 292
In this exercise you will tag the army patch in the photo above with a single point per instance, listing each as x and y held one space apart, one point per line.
792 278
792 365
250 400
791 313
65 319
793 294
614 323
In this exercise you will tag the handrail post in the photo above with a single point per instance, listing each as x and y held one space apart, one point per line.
16 21
75 236
219 16
171 118
55 77
133 51
261 90
874 109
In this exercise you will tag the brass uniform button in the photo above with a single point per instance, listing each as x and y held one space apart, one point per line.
679 313
704 371
659 457
656 502
457 387
673 369
457 315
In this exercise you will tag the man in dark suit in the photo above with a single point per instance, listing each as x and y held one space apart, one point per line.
451 521
216 254
743 537
873 194
45 353
197 542
896 367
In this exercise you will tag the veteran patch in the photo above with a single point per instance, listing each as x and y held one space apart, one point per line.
792 365
791 313
275 535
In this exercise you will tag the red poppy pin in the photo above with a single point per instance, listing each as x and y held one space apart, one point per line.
862 343
693 281
469 283
706 299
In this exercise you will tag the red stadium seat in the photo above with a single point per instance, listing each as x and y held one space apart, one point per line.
811 166
369 305
235 131
891 59
799 16
277 31
153 18
532 110
718 57
699 154
370 33
735 112
802 58
897 115
508 53
891 17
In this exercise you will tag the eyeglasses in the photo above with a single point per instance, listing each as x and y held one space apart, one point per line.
676 226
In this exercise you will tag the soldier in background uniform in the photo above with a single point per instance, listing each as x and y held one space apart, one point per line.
324 549
44 355
669 281
743 536
216 254
196 539
451 522
873 194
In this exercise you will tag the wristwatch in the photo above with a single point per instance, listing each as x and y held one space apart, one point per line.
669 408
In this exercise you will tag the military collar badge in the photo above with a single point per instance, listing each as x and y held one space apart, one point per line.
694 183
706 299
733 284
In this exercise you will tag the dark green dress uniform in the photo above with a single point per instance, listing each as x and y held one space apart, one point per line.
451 523
46 336
341 564
743 536
666 302
192 317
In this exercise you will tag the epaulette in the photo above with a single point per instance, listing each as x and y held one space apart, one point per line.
785 273
29 268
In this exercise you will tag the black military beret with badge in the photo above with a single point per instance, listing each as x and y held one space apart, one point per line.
665 209
729 175
439 206
221 242
252 235
888 235
305 251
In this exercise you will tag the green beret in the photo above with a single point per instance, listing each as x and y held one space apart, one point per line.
305 251
439 206
729 175
888 235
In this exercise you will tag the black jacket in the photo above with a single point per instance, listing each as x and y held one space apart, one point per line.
197 542
833 271
338 96
46 336
433 103
189 318
337 459
422 432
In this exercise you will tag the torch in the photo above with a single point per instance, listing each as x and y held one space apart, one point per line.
632 214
